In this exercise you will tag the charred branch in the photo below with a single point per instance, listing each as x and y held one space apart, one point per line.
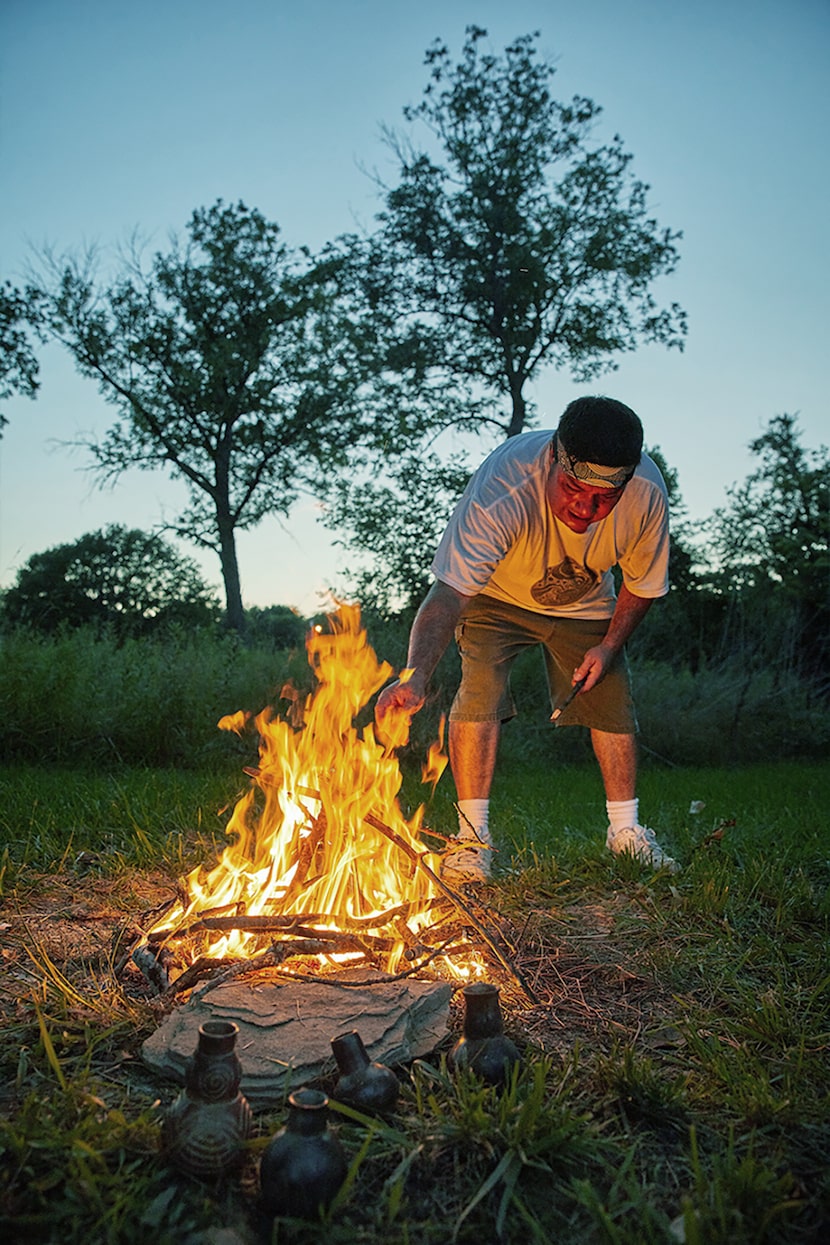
297 926
418 858
152 966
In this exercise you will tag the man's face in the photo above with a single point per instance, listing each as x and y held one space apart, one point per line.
578 503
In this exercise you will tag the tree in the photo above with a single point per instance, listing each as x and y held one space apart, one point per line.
278 625
685 629
128 580
396 522
18 365
520 245
509 245
772 544
683 556
227 366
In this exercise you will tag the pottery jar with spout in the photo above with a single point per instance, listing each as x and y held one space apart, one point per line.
205 1129
363 1083
304 1165
483 1046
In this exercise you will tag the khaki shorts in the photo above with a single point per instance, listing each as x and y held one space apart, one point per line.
490 635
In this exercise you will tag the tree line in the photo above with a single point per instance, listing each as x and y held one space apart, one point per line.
749 584
508 242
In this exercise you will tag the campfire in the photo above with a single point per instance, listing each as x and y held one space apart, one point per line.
323 871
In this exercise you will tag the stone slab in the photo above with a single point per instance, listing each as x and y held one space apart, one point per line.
285 1029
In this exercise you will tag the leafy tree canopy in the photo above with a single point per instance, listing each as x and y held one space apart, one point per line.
120 578
683 556
19 367
226 365
512 242
769 548
396 525
776 525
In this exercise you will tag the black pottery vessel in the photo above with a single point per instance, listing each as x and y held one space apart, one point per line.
205 1129
483 1046
368 1086
304 1164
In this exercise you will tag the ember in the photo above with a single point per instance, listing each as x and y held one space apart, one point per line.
322 861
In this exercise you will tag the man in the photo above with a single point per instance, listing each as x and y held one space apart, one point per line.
526 559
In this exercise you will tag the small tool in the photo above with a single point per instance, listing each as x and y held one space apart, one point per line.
560 709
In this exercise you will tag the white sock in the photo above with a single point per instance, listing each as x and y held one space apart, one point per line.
473 819
622 814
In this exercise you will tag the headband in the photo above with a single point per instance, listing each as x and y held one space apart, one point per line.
593 473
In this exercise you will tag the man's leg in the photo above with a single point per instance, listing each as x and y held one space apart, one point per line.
473 748
489 637
617 757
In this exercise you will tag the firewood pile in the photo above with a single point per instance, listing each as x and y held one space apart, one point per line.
303 946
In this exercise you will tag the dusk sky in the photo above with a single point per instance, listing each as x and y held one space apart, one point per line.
116 118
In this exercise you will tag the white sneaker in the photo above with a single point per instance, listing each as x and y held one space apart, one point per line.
468 860
640 841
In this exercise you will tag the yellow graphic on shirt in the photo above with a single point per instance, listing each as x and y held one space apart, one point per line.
564 584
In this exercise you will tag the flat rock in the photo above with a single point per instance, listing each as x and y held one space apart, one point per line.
285 1029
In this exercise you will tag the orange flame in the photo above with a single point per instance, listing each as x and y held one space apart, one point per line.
301 844
436 761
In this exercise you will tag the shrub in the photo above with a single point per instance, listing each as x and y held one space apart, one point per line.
728 716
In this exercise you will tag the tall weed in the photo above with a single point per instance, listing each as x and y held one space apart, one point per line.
87 697
728 716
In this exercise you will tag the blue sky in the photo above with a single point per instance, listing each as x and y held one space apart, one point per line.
116 117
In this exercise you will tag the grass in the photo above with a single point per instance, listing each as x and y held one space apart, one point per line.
63 818
678 1088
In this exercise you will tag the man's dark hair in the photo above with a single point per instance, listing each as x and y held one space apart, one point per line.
601 430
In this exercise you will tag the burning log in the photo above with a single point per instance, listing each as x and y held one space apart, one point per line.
300 924
205 966
302 940
268 963
324 943
299 937
278 953
296 940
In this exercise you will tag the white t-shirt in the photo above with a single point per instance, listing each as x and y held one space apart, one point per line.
503 539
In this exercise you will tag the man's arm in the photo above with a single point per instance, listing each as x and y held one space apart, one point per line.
629 612
431 632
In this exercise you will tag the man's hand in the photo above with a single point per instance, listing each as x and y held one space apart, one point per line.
628 614
431 633
396 706
405 695
594 666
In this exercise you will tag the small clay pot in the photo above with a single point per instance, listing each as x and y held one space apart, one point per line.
368 1086
205 1129
304 1165
483 1046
